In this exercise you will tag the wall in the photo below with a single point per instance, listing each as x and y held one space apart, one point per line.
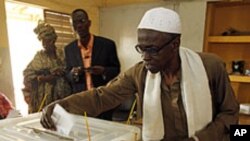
120 22
193 18
112 3
6 85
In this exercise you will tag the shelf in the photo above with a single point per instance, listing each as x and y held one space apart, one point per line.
220 16
229 39
244 119
239 78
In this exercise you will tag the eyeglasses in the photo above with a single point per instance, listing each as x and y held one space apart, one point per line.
82 21
152 50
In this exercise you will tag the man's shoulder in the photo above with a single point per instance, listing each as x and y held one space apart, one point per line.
137 68
73 43
102 39
212 62
210 57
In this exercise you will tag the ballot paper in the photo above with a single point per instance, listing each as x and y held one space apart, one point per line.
63 120
13 113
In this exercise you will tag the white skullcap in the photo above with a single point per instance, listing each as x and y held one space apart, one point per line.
161 19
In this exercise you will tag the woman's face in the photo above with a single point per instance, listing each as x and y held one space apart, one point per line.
48 44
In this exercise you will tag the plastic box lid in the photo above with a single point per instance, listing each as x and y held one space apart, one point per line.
29 129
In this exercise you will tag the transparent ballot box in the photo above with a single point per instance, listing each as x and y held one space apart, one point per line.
29 129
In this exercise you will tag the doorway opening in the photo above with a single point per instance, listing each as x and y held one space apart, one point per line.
23 44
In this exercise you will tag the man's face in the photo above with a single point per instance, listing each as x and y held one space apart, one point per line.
157 49
81 24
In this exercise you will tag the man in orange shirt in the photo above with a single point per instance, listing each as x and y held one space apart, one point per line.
91 60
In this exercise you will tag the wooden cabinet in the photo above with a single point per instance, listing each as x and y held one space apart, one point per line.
220 17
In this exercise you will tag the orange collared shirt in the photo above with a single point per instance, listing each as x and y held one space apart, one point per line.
86 53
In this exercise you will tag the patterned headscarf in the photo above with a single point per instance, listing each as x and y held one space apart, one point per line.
45 31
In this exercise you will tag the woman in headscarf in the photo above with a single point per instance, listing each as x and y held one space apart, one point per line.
44 78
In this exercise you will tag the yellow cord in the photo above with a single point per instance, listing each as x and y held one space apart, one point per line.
87 125
135 136
43 101
131 112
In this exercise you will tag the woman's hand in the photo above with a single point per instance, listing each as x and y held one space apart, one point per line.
58 72
46 78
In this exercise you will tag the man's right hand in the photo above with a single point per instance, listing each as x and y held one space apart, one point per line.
46 119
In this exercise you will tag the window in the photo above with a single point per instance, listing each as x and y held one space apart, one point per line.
61 23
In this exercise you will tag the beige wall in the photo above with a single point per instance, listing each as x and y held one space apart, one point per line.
6 85
112 3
